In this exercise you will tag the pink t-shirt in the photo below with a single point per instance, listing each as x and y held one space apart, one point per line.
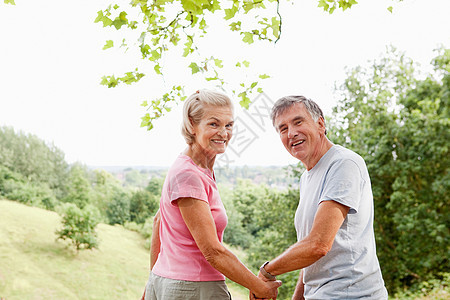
180 258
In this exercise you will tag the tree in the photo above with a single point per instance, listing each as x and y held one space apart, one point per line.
274 214
163 26
105 185
33 158
399 124
143 205
79 226
246 198
78 188
118 209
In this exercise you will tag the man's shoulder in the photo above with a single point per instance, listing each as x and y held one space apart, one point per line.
342 153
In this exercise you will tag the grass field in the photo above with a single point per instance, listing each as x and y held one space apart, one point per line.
33 265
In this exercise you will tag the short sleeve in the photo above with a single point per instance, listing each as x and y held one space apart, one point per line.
343 184
187 184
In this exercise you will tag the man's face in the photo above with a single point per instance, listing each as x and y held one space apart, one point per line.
300 134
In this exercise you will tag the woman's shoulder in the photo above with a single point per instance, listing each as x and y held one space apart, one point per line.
182 167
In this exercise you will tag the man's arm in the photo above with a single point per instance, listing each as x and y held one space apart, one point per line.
329 218
299 289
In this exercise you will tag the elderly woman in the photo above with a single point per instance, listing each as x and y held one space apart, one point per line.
188 259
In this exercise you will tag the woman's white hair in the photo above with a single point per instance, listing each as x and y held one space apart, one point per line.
193 110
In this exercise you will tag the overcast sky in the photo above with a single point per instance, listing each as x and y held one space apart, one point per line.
51 63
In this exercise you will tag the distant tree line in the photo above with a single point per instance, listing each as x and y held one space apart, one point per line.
35 173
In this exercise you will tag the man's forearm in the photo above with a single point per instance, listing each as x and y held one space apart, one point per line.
296 257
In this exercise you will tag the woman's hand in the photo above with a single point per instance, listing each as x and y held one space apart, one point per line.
268 290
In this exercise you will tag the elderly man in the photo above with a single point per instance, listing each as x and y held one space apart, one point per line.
334 219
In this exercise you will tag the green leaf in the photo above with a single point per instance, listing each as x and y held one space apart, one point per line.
99 16
202 24
116 6
194 67
109 44
235 26
245 102
123 16
332 9
106 21
218 63
215 6
324 4
192 6
118 23
144 104
230 12
188 47
275 27
104 80
253 84
246 63
155 55
9 2
264 76
248 37
157 69
389 9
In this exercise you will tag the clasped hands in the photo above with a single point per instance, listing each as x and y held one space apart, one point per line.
271 289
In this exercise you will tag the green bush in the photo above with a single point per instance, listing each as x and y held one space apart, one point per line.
14 187
79 226
118 209
143 205
437 288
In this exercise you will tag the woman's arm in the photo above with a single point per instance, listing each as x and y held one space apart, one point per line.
156 242
197 216
299 289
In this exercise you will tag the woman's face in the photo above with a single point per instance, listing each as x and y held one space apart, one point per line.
215 129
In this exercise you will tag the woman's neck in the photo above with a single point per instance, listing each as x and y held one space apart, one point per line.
200 157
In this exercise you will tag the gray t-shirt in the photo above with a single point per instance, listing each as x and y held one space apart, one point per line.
350 270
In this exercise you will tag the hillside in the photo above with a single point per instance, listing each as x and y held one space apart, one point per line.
35 266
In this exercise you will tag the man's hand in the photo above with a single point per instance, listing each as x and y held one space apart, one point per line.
269 283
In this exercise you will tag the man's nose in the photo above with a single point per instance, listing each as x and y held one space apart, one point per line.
291 132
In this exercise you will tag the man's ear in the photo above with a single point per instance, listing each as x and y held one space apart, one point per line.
321 123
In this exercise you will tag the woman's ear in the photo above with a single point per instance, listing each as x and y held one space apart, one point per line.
193 127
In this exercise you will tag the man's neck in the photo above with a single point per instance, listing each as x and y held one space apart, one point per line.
323 148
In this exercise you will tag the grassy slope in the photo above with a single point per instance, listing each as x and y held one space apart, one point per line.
35 266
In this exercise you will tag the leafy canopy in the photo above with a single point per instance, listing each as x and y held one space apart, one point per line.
165 25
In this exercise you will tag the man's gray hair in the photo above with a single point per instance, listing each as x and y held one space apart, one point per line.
283 104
